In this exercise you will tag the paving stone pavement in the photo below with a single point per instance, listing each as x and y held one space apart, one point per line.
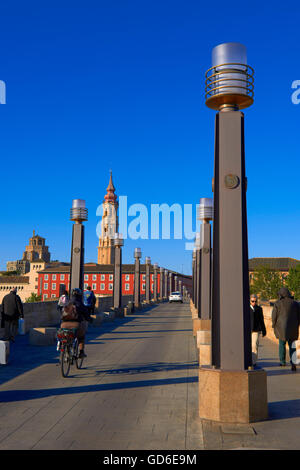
138 390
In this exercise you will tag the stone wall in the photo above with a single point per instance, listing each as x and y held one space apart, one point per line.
39 314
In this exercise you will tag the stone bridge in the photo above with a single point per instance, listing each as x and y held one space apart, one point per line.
138 389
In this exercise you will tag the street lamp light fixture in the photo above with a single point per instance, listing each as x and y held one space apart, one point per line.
79 212
230 81
206 209
137 253
118 240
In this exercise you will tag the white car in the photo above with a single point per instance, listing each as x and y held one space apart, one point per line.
175 297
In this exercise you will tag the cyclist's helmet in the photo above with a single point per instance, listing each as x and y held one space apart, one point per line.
76 291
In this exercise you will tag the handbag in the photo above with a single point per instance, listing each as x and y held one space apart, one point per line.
21 326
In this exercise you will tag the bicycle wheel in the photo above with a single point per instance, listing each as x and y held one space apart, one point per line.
65 361
78 360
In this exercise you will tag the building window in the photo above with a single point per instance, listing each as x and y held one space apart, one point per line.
143 277
126 286
102 277
46 277
62 277
54 277
85 286
45 296
94 286
111 277
54 286
110 287
86 277
127 277
143 286
94 277
46 286
102 287
53 296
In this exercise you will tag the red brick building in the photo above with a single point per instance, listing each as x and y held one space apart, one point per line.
100 277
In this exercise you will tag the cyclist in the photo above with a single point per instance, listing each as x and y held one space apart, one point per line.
76 315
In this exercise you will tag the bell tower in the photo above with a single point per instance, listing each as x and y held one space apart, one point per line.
109 225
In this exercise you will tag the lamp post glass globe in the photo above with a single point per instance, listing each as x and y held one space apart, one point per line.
148 260
137 253
229 82
118 240
79 213
206 209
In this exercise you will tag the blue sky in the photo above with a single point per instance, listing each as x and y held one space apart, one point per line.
113 84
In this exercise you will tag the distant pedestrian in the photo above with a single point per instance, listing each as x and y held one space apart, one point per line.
257 326
286 321
11 311
89 299
63 300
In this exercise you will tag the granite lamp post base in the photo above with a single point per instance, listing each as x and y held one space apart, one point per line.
233 396
200 324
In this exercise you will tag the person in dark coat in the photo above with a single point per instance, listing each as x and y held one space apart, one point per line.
257 326
285 322
11 311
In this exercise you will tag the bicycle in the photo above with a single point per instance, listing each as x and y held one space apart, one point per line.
67 343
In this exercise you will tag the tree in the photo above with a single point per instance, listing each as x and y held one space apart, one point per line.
34 298
293 281
266 283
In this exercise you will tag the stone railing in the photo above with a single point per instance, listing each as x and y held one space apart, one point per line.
43 314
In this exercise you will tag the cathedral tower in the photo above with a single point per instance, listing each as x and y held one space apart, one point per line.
109 226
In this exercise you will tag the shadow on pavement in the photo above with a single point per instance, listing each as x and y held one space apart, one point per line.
284 409
144 369
23 395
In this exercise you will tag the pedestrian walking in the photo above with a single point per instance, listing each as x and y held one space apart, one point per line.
89 299
11 311
63 300
258 327
285 322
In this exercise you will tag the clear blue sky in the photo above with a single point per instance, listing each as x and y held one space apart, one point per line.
119 84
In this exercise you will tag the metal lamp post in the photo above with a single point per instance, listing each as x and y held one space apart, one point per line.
176 283
161 283
148 264
205 215
194 276
79 214
137 294
170 283
230 88
198 273
180 286
166 284
155 269
117 292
